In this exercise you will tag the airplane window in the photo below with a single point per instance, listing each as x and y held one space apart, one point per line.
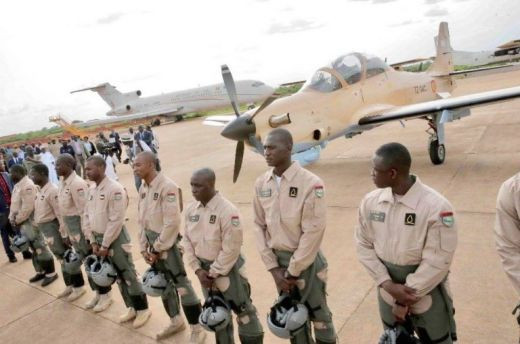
349 67
257 84
323 82
375 66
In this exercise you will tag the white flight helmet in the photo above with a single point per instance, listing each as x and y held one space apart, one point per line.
20 243
154 282
287 316
71 262
103 273
216 314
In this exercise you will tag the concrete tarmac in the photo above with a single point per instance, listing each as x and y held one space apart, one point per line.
482 151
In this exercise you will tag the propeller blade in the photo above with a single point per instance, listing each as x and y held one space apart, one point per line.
239 156
230 88
266 103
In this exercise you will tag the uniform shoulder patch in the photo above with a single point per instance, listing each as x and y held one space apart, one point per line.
318 191
212 219
293 191
447 218
409 219
118 196
171 197
235 221
81 192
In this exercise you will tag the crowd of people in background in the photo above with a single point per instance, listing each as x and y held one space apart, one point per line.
110 146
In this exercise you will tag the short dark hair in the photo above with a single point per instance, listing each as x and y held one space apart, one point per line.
395 155
98 160
41 169
18 169
284 135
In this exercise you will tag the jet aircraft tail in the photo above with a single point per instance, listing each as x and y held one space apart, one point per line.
110 95
443 63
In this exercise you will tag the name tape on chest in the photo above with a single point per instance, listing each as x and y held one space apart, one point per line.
213 219
409 219
377 216
447 218
265 193
293 191
194 218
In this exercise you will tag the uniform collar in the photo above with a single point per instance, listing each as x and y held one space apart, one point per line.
288 174
212 204
410 198
45 187
70 178
157 180
24 180
103 183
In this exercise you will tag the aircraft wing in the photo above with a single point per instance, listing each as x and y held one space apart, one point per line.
469 73
218 121
451 103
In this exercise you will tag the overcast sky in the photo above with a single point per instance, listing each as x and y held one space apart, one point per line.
48 48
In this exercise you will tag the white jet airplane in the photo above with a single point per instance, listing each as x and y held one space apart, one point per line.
180 102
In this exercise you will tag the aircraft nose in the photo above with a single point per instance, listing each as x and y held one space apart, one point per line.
239 129
269 90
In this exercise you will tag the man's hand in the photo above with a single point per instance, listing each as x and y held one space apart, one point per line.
401 293
205 279
151 258
102 252
95 248
400 312
281 282
66 242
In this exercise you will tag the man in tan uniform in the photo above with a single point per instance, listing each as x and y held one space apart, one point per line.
21 215
160 202
104 221
406 238
47 215
290 219
212 242
72 196
507 231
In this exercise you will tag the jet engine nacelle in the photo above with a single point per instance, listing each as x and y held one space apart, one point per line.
133 95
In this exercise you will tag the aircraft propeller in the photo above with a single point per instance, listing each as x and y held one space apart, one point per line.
242 127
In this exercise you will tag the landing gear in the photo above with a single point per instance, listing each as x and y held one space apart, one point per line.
156 122
437 152
436 143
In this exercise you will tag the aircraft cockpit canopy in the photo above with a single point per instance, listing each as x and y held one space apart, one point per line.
351 67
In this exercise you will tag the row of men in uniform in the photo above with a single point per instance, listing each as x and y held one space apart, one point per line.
406 238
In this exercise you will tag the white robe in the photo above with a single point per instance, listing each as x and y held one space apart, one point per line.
110 171
48 160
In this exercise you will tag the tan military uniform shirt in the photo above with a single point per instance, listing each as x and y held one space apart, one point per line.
105 210
46 206
507 228
72 195
22 200
418 229
212 232
290 217
159 211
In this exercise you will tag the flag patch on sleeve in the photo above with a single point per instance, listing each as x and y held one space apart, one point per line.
447 218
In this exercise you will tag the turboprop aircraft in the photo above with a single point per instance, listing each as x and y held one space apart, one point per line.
180 102
354 93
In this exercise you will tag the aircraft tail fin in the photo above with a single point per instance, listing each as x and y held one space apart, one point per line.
443 63
109 93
